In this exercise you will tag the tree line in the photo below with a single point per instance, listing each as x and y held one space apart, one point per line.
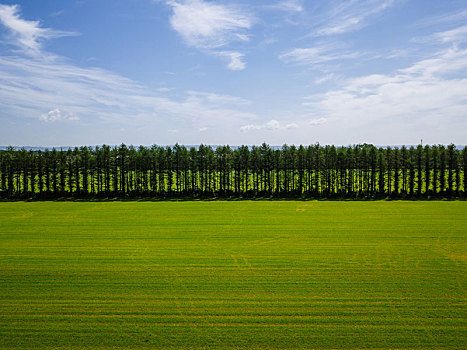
315 171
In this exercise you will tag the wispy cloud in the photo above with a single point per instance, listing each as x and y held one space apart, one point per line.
456 35
57 13
325 79
428 95
206 25
291 6
317 54
271 125
51 89
57 115
452 17
27 35
350 15
218 98
235 59
29 87
318 121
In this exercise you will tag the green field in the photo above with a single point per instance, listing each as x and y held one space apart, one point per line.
233 275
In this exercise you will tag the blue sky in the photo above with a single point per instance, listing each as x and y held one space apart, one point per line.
89 72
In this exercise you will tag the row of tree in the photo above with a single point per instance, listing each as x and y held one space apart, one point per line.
359 171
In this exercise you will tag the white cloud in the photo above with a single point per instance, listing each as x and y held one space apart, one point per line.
235 59
270 125
325 78
452 17
56 115
447 62
28 35
164 89
206 25
289 6
218 99
291 126
318 121
316 55
456 35
28 89
350 15
425 98
249 127
203 129
273 125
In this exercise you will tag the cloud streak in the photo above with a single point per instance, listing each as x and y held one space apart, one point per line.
456 35
290 6
37 88
270 125
318 121
350 15
317 55
27 35
426 96
235 59
50 89
208 26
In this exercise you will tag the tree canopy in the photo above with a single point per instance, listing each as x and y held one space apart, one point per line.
315 171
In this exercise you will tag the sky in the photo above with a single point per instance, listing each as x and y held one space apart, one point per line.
144 72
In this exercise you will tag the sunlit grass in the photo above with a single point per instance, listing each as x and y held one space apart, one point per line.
233 275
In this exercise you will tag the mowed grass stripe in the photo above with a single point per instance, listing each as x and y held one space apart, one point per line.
233 275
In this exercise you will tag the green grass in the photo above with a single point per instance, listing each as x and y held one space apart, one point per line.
239 275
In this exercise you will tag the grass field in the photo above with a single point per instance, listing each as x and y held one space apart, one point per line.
240 275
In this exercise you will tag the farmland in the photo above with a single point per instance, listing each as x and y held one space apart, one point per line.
233 274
